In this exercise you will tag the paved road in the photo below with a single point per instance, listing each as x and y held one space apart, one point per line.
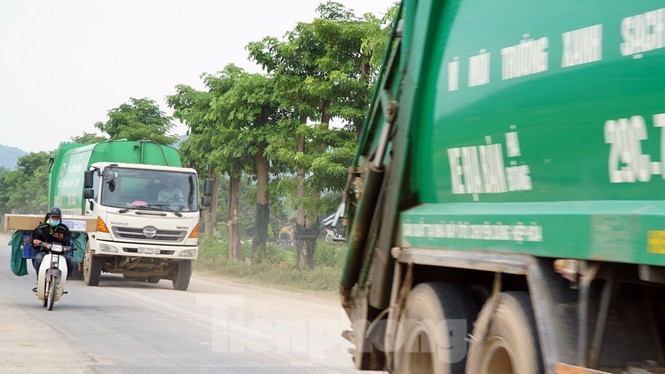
131 327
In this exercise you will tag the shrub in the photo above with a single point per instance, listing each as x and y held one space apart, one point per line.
274 266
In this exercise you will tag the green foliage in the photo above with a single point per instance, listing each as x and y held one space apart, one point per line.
329 254
321 70
140 119
273 255
278 214
25 190
88 138
276 268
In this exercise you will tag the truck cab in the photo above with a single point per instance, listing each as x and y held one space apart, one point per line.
147 222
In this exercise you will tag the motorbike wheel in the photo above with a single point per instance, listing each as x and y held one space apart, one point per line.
51 293
45 300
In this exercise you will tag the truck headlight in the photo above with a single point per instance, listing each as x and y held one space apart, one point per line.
107 248
188 253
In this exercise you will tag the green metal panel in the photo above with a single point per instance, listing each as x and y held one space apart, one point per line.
59 164
498 81
72 160
538 128
621 231
526 126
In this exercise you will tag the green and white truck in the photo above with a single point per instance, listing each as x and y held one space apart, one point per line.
505 208
112 189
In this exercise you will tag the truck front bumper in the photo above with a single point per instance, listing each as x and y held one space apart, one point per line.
113 248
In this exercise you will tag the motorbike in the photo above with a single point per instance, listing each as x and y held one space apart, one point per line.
52 274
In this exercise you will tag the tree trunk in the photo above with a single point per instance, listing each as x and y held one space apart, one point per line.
309 231
262 208
302 258
235 250
210 215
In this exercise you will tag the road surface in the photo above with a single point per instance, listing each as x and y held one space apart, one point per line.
131 327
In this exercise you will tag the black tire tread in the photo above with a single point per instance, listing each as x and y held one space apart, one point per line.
439 301
513 307
182 275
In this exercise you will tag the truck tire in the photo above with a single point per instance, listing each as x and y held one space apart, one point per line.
184 272
511 344
92 269
432 331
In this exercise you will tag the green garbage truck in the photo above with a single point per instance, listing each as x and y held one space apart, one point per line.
505 209
139 207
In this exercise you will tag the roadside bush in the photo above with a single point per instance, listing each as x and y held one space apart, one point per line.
329 254
274 267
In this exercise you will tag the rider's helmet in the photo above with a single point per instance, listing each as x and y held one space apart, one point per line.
55 212
54 216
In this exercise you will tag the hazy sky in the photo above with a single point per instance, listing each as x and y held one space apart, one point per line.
65 64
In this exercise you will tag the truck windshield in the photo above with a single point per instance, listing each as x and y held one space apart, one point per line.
149 189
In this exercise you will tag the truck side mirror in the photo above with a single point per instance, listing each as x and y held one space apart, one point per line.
205 201
89 193
208 187
88 179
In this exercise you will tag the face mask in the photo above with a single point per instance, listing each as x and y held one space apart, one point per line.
53 222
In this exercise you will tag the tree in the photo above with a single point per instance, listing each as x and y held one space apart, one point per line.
140 119
88 138
321 71
232 147
25 190
192 107
213 142
252 112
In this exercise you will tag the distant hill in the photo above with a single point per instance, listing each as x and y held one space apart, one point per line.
182 138
9 156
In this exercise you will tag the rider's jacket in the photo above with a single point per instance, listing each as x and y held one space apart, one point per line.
44 232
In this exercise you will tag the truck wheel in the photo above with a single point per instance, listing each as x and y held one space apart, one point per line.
92 269
431 335
511 344
184 272
153 279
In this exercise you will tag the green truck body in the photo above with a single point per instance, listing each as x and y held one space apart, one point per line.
73 159
515 138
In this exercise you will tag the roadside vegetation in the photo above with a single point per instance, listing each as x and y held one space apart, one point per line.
274 267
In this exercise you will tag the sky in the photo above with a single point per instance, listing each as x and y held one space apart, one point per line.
64 64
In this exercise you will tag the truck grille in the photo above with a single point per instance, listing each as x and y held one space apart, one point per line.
137 234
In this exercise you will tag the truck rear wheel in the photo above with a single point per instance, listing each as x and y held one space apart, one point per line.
431 335
153 279
184 272
511 344
92 269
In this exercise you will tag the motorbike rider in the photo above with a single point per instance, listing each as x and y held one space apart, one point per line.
51 231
